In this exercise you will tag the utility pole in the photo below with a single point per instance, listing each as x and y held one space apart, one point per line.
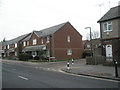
100 5
90 39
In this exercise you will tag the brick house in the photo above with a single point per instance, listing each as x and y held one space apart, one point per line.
12 47
61 41
110 34
96 47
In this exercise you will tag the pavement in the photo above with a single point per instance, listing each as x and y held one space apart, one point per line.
79 67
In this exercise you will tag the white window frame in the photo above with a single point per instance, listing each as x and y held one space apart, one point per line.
15 53
69 51
48 39
8 46
106 28
15 45
4 47
88 46
42 41
68 38
24 43
27 43
34 42
48 53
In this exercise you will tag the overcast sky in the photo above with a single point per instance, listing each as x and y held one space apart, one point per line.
18 17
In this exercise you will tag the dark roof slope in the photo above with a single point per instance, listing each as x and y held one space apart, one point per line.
15 40
113 13
50 30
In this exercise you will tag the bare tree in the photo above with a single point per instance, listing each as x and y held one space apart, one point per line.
94 34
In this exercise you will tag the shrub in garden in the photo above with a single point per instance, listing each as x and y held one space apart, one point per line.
24 56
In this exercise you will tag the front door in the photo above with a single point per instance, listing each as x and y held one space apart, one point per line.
109 52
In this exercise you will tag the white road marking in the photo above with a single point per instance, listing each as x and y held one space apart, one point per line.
23 77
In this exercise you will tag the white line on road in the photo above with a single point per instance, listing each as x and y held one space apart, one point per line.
23 77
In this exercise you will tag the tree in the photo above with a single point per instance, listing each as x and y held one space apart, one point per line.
4 39
94 34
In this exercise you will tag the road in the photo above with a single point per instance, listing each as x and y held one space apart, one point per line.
15 76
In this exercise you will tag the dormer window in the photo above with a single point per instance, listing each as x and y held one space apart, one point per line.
34 41
107 26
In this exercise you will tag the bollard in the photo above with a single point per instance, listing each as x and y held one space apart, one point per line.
116 70
72 61
68 65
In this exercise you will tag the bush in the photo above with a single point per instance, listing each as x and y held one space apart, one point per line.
24 56
36 58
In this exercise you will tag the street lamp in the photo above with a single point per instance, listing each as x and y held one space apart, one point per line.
90 39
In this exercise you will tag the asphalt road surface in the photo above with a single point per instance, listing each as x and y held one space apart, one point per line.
15 76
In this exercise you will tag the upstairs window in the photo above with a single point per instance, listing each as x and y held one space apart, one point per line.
24 43
107 26
15 45
8 46
42 41
34 41
68 38
48 39
27 43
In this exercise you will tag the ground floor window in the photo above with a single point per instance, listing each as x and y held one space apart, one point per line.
48 53
69 52
8 54
15 53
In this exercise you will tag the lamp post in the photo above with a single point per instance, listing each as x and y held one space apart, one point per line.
90 39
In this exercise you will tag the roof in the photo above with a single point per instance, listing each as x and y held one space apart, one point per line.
34 48
15 40
50 30
113 13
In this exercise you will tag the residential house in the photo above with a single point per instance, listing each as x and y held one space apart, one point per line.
12 47
61 41
96 47
110 34
1 51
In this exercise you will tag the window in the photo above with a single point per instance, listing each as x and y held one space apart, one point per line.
48 53
8 46
107 26
24 43
68 38
88 46
15 53
69 52
4 47
27 43
8 54
48 39
34 41
15 45
41 41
